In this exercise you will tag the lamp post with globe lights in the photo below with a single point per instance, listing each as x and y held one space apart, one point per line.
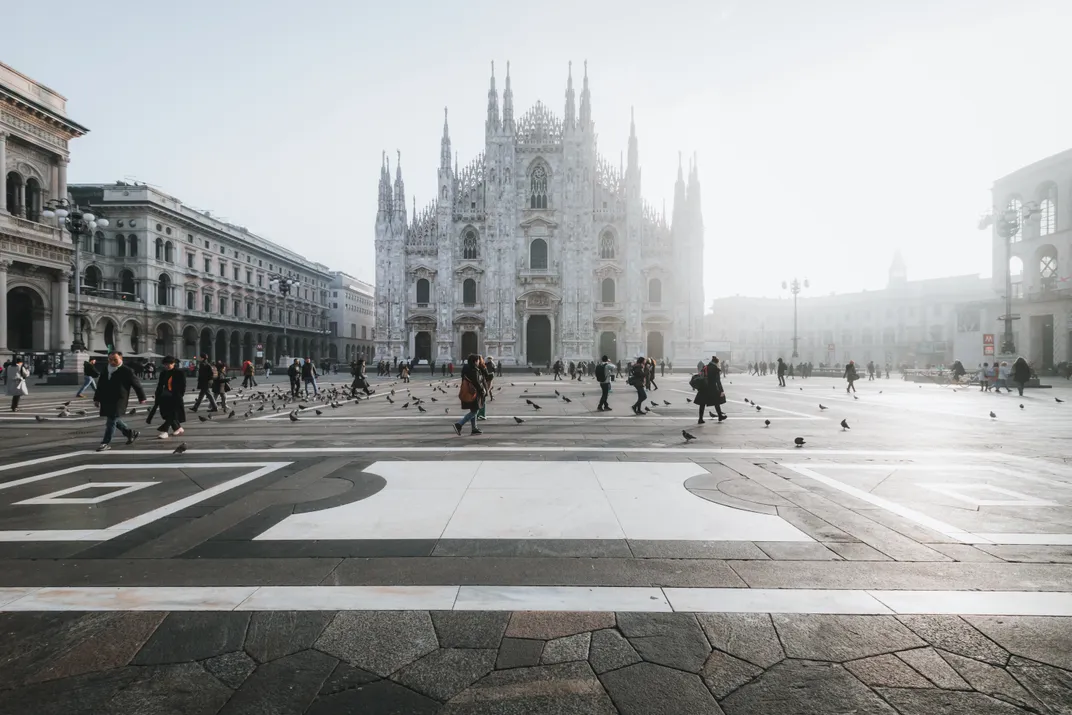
78 222
795 287
284 285
1008 224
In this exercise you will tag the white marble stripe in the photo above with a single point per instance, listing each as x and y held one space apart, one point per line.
560 598
42 460
1027 539
472 447
977 603
535 598
652 416
351 598
773 600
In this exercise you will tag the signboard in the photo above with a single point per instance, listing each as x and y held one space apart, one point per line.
260 347
830 347
988 350
988 339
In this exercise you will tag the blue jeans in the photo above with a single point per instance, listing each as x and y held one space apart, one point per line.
311 381
109 429
86 384
641 395
470 417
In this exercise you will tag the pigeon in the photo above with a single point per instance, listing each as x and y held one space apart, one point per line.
248 414
647 409
202 418
994 416
712 415
688 437
1021 406
1058 399
654 403
558 394
180 449
318 412
404 406
528 401
844 424
260 409
823 407
39 418
880 391
67 403
799 441
230 414
855 397
688 399
582 395
421 408
566 399
302 407
293 417
434 400
666 402
758 408
132 411
518 420
766 423
390 400
535 405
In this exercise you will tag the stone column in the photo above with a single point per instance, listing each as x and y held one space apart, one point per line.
60 314
62 188
20 200
3 185
4 265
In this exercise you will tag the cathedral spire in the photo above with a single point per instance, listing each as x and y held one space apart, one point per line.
387 200
444 151
492 124
586 103
508 104
400 191
570 121
680 210
634 159
693 202
382 200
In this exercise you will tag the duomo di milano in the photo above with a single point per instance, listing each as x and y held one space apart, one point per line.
539 249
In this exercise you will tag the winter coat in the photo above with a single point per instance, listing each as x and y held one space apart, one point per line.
170 388
472 374
781 368
1021 371
308 371
204 375
89 370
850 373
712 394
113 391
16 379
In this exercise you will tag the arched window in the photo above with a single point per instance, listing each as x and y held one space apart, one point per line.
159 249
469 291
469 248
98 243
121 245
655 291
190 300
608 290
163 290
93 277
1048 211
206 304
169 252
538 188
132 246
424 291
538 255
126 282
33 199
1017 206
606 245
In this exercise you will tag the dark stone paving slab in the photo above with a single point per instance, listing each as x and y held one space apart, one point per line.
991 680
934 668
470 629
444 673
609 650
284 686
794 551
166 572
722 673
231 669
1050 685
597 548
672 549
379 641
179 688
275 634
563 689
650 689
886 671
569 648
804 687
895 575
546 625
856 551
79 695
44 646
953 634
1040 638
929 702
183 637
841 638
671 639
519 653
1031 554
346 677
749 636
382 697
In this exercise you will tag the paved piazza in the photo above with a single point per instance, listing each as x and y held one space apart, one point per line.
364 559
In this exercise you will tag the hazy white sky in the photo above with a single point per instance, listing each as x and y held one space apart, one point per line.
829 132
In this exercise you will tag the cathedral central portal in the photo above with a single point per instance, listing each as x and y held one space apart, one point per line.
538 340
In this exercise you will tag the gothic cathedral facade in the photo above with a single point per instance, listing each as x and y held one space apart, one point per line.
539 249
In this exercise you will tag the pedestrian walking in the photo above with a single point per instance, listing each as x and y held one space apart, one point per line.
651 374
15 376
112 397
487 374
1021 373
206 376
471 394
781 372
985 374
249 378
220 384
1002 377
89 376
637 378
170 391
870 370
309 375
360 379
294 373
710 392
850 376
603 375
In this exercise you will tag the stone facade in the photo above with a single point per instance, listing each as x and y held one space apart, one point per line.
539 248
351 318
193 283
35 257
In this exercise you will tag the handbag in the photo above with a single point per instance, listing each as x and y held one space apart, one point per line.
152 413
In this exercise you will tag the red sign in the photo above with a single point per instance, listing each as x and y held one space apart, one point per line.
988 350
988 339
830 347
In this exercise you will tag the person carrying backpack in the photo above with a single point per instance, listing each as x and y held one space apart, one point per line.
603 375
471 394
637 376
206 376
709 392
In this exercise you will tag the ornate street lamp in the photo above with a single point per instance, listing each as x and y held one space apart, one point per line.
284 285
1009 224
78 222
795 287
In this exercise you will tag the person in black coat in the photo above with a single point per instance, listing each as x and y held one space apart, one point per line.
712 395
170 390
206 375
112 396
471 393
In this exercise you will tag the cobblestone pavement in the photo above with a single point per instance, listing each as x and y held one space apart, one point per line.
365 559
